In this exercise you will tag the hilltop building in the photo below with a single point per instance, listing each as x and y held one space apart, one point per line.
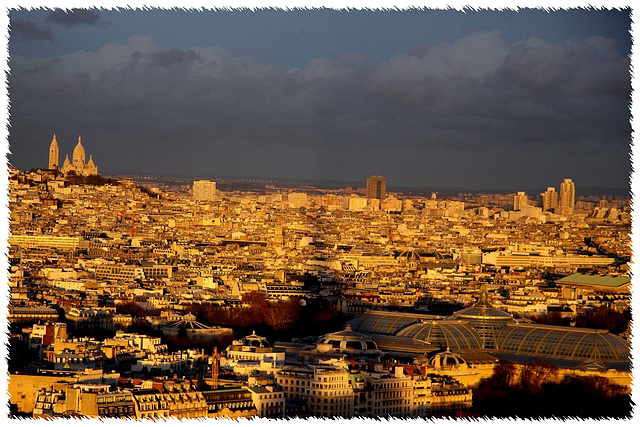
78 164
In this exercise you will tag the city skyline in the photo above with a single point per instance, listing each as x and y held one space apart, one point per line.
315 95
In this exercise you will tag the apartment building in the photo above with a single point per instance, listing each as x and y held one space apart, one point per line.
325 391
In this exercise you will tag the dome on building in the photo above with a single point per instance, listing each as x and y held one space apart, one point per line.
562 342
409 256
452 334
386 323
447 360
78 153
77 165
485 319
254 340
349 341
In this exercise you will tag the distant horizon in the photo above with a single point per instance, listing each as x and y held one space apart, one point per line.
338 184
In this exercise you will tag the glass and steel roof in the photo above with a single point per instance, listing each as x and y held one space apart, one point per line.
562 342
451 334
386 323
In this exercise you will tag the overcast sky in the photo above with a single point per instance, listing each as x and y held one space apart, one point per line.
478 100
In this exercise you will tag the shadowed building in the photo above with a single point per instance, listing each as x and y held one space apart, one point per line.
376 187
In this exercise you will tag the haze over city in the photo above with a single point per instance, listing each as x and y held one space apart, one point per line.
479 100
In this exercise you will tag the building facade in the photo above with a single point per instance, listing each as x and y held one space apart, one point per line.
567 197
78 165
204 190
376 187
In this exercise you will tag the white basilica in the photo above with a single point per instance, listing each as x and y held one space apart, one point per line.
77 165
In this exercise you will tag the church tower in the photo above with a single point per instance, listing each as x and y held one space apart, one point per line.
54 157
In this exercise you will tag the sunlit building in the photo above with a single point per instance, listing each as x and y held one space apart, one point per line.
77 165
483 330
325 391
520 201
204 190
567 197
549 199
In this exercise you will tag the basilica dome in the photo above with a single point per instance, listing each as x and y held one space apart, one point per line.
78 153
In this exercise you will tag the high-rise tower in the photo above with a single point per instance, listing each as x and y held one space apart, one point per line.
376 187
549 199
520 200
567 197
54 156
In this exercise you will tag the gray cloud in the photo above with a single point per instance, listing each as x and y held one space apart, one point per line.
216 112
27 30
74 17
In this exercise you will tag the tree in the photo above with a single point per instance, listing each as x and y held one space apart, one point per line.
605 318
132 308
533 376
504 374
283 314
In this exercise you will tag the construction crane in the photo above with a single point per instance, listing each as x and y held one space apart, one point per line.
133 219
215 361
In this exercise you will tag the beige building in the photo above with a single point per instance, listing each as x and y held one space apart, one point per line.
77 165
327 391
520 201
567 197
549 199
269 401
204 190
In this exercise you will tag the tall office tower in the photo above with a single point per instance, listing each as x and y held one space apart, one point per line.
549 199
520 200
376 187
204 190
54 157
567 197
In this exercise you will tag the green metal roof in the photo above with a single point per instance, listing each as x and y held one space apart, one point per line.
594 280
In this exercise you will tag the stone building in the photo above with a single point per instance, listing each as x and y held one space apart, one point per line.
78 165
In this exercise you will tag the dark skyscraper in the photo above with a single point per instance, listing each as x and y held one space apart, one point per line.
376 187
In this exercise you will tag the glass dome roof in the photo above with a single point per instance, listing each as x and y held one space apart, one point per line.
451 334
386 323
562 342
485 319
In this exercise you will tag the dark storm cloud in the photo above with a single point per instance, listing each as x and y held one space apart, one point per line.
461 96
27 30
74 17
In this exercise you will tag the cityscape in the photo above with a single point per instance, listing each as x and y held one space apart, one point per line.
188 302
170 277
